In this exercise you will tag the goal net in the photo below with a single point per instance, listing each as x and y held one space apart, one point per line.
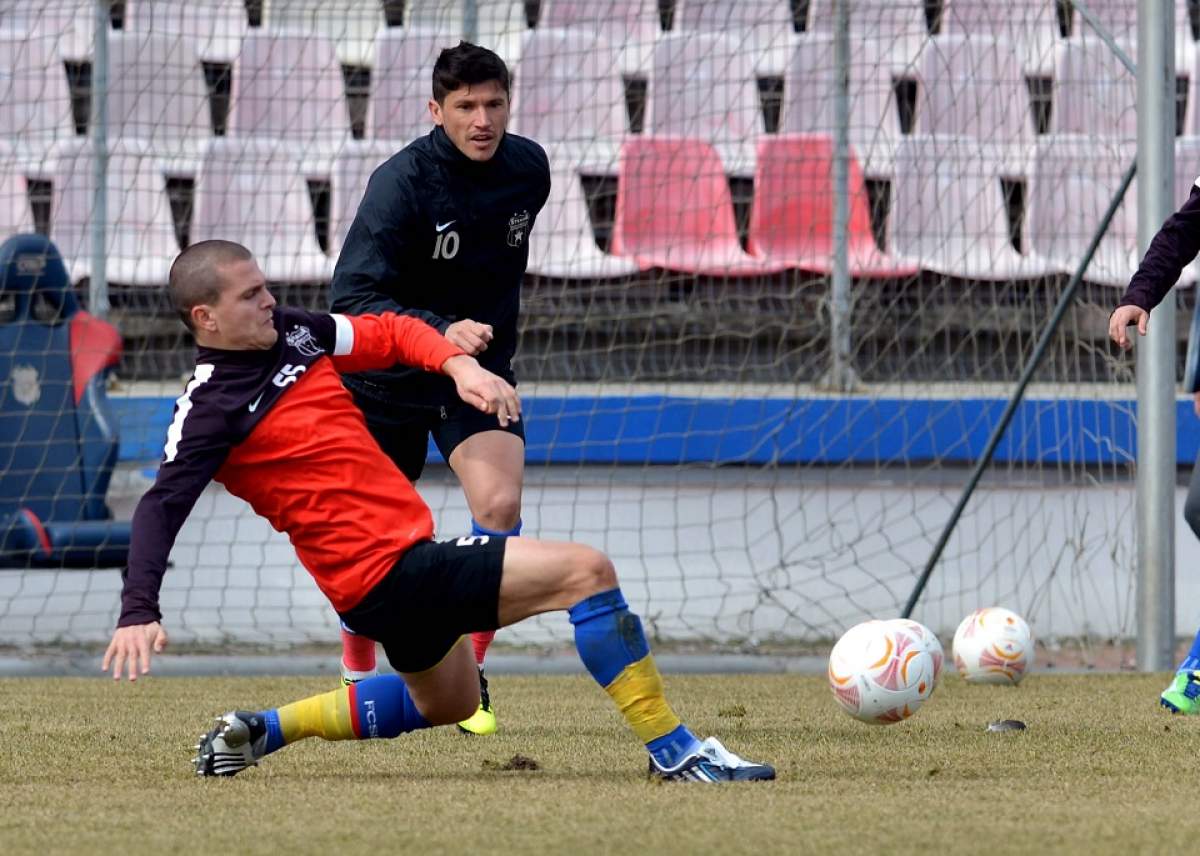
767 440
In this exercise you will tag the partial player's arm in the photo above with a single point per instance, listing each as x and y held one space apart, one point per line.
194 453
1173 248
366 342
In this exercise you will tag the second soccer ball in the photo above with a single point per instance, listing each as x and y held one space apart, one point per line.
993 646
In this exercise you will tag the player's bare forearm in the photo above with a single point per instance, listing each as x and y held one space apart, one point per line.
483 390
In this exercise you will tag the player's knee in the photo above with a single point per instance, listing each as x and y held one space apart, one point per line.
452 704
591 572
500 510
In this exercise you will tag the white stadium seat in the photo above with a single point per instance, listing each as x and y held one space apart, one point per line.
16 216
157 92
35 102
352 170
568 94
288 85
562 243
401 84
632 25
896 29
1093 92
500 24
703 87
140 231
254 191
761 28
215 28
70 24
350 24
808 100
973 87
949 213
1074 179
1031 27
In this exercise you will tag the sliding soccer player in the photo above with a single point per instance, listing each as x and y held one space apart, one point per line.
266 415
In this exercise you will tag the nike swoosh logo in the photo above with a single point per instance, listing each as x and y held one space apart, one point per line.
441 227
254 404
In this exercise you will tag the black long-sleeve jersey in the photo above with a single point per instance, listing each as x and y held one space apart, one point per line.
443 238
1173 248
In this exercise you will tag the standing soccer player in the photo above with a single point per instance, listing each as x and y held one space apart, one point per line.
1173 248
442 234
265 414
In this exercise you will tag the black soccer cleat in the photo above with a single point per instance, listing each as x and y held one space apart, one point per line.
236 741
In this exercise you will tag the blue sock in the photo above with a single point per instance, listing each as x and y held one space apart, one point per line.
384 708
1192 660
612 645
476 529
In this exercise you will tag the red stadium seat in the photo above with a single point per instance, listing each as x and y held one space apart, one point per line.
792 219
675 210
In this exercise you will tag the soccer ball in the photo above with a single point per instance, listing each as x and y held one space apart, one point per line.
881 672
993 646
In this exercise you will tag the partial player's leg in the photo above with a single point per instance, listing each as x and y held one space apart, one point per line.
490 464
404 437
542 576
1183 694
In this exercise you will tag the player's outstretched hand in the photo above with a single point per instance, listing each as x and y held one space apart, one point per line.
481 389
1121 319
471 336
130 649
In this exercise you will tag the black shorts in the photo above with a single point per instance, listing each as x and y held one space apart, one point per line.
436 592
403 432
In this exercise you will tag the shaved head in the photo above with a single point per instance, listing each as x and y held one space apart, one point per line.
196 276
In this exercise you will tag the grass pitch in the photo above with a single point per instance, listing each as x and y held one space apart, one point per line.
86 766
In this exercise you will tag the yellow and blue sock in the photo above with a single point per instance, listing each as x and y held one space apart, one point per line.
481 639
613 647
376 707
1192 660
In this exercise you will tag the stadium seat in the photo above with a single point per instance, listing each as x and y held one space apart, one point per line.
499 24
69 24
974 87
703 87
568 94
215 28
792 218
949 213
1119 18
57 439
562 243
157 92
808 105
401 83
254 191
1093 93
35 102
288 86
761 28
139 229
16 216
1030 27
630 25
1073 182
675 210
896 30
352 170
350 24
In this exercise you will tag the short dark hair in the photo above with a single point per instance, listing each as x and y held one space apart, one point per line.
195 277
466 65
